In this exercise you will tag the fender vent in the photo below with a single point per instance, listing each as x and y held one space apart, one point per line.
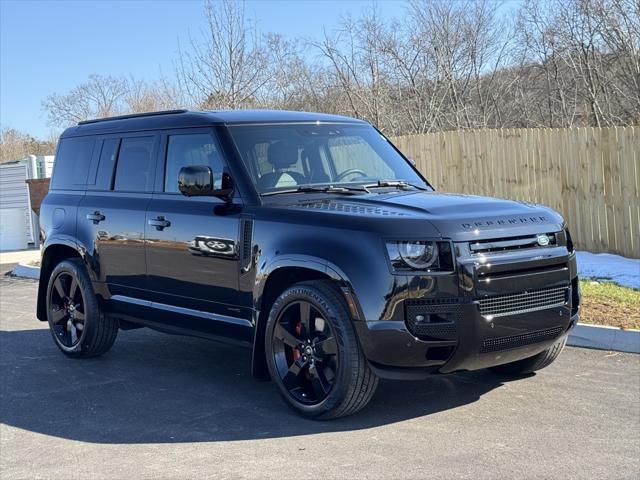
247 244
352 208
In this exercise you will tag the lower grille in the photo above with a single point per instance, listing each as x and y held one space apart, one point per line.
516 341
524 302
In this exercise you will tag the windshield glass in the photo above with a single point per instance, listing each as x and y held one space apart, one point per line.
285 156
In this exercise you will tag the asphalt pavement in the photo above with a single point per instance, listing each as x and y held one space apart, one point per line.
160 406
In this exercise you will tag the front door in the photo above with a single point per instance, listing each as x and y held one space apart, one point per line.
192 252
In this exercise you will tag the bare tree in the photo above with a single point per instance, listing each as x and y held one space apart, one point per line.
97 97
16 145
357 66
441 65
141 96
587 53
227 66
621 38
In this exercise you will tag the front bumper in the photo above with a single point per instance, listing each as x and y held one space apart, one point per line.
497 317
390 346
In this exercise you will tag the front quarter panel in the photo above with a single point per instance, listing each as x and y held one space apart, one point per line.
358 262
338 246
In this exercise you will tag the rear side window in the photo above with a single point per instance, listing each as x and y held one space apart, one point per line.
104 173
134 166
72 163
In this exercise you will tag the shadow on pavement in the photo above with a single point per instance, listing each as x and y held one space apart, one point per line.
155 388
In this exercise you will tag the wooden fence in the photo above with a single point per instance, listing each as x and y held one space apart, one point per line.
590 175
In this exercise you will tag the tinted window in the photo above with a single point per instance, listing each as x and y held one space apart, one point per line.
72 163
195 149
104 173
280 156
133 170
351 153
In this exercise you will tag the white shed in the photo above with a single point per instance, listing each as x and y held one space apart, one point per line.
18 224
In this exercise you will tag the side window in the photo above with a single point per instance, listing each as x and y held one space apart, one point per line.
134 166
72 162
104 173
192 149
354 152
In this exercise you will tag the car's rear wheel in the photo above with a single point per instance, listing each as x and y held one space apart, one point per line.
532 364
77 324
313 354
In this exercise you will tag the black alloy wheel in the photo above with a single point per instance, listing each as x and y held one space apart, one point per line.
67 310
77 323
305 352
313 354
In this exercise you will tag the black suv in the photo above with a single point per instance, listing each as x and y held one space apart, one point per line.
309 239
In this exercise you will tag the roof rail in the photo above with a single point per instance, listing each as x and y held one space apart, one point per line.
133 115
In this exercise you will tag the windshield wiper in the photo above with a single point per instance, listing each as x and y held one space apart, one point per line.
393 183
319 189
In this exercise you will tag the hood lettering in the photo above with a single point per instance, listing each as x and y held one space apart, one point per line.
510 221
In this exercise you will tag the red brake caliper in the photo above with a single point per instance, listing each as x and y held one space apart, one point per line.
296 352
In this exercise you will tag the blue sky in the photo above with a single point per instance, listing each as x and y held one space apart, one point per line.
51 46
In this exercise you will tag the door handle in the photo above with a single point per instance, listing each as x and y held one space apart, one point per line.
160 223
96 217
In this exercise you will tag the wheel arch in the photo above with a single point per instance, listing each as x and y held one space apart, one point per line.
276 279
52 255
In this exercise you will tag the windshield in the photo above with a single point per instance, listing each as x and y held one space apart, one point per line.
286 156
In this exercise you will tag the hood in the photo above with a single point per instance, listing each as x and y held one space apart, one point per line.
459 217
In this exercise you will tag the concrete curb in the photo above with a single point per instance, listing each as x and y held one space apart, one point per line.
605 338
26 271
584 335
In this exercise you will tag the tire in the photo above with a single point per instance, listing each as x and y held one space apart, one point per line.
335 354
79 328
532 364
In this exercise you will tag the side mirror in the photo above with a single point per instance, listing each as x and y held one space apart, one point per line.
197 181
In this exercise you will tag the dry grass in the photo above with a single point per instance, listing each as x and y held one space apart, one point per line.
610 304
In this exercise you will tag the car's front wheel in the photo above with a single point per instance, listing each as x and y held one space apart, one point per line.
77 324
313 354
532 364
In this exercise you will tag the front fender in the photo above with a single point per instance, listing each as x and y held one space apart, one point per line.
355 259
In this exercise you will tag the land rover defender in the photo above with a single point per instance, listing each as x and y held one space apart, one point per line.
309 239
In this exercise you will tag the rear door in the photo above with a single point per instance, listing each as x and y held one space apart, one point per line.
111 215
192 243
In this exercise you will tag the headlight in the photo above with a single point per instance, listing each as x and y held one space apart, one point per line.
420 255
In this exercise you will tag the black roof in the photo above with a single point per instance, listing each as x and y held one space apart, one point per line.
186 118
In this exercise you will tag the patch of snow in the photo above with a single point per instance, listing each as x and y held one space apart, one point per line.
26 271
621 270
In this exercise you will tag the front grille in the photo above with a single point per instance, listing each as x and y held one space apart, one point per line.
516 341
512 243
524 302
